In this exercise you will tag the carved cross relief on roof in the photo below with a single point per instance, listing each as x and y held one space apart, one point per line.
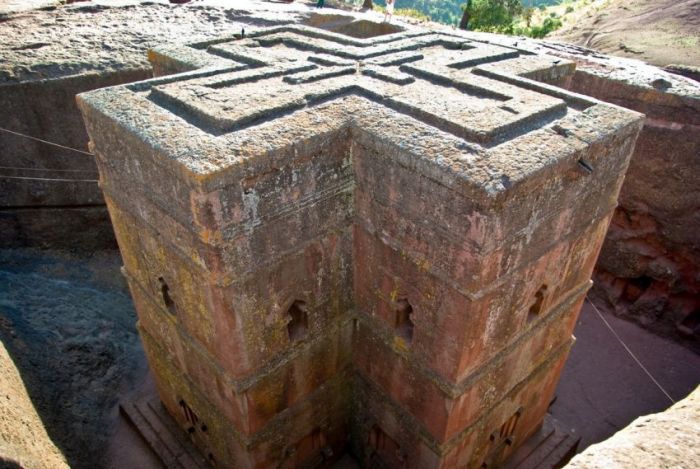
457 85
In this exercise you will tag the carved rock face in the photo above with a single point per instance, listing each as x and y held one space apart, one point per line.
354 234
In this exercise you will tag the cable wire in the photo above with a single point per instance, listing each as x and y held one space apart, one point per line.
634 357
45 141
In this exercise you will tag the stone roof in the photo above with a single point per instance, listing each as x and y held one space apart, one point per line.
463 108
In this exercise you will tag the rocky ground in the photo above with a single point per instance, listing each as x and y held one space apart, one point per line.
667 439
23 438
69 326
106 36
660 32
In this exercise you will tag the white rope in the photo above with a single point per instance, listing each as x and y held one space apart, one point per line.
47 179
619 339
45 141
50 170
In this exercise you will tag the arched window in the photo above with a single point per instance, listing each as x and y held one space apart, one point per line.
167 299
298 324
538 305
404 324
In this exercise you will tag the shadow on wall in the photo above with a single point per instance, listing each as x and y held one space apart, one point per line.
9 464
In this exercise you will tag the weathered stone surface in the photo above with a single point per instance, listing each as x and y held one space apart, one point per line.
23 439
648 268
49 56
666 439
68 323
419 236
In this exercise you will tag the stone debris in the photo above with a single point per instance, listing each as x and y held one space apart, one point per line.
323 258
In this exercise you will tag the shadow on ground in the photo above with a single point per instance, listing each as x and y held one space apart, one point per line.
69 325
602 388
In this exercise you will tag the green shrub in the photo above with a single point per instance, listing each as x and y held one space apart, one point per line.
541 30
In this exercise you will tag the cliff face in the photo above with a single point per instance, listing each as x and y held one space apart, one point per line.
660 32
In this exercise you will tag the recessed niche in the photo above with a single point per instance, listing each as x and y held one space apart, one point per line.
190 416
298 324
404 323
538 305
165 294
635 288
499 440
309 451
508 428
385 450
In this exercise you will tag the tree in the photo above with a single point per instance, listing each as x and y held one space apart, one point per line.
490 15
368 4
464 22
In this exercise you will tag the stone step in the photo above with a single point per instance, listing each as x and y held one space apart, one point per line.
551 447
163 435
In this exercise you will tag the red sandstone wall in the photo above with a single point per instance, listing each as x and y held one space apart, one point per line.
649 265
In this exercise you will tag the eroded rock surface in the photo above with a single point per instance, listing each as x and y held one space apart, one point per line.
68 324
379 243
648 268
660 32
649 265
49 196
670 439
62 41
23 439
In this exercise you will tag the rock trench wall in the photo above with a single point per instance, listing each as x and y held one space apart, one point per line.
649 267
49 196
667 439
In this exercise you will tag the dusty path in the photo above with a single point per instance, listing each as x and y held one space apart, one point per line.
603 389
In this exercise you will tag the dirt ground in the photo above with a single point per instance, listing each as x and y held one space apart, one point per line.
69 325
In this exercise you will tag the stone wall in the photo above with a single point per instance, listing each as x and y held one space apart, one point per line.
648 268
50 196
23 439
